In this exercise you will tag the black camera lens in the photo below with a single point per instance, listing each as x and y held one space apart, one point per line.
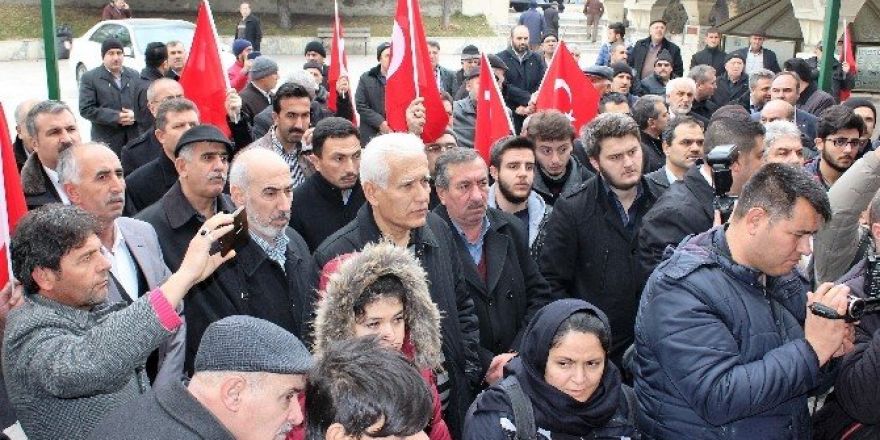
856 309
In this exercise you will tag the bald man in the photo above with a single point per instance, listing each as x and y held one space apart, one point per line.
779 109
147 147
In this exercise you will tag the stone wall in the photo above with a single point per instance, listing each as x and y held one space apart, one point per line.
430 8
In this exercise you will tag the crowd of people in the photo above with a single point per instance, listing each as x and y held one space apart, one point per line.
570 285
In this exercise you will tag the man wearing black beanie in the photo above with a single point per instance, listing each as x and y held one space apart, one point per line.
315 52
156 66
108 98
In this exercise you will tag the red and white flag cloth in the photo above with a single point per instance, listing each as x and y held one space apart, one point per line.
338 64
12 202
848 55
567 89
203 79
410 74
493 122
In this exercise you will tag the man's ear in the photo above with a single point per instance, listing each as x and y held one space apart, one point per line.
370 191
72 192
754 219
875 231
493 172
336 432
45 278
231 391
180 165
237 194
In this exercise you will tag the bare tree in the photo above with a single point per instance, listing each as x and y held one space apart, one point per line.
284 14
445 13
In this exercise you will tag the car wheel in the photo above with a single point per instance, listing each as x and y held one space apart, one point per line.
80 71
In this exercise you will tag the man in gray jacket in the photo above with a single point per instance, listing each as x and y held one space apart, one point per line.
68 358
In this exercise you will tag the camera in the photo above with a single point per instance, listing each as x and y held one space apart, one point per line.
857 307
720 159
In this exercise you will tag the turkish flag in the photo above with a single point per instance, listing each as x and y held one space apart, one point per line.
203 79
338 64
12 203
567 89
492 122
847 55
410 74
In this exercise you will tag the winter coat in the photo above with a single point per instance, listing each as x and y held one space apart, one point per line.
729 92
141 151
652 85
253 101
525 75
684 209
513 290
539 213
433 245
533 20
814 101
252 31
653 157
318 210
719 355
709 56
144 117
551 22
149 183
590 254
839 79
770 61
464 117
370 101
101 100
577 174
38 188
658 181
639 52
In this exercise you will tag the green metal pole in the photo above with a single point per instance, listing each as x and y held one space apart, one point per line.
48 12
829 42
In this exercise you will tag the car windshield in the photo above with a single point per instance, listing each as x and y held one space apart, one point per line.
164 33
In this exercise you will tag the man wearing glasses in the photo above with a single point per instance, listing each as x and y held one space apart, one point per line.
840 135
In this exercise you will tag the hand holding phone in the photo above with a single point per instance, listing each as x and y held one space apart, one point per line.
237 236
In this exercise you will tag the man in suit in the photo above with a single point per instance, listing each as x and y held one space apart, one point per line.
644 52
682 146
92 177
445 77
108 98
756 56
493 248
249 28
52 128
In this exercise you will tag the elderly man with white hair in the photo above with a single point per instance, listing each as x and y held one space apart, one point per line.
782 143
680 94
395 179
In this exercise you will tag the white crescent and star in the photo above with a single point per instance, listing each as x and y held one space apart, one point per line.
562 84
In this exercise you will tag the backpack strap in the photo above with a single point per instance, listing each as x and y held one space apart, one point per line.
630 395
523 414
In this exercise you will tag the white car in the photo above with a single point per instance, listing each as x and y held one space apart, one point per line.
135 34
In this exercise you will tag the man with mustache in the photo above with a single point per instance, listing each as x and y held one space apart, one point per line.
52 128
682 147
680 93
92 177
331 197
839 133
493 248
592 236
291 118
271 277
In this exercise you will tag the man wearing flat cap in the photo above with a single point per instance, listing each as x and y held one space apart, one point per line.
470 58
464 111
108 98
248 374
757 56
257 95
601 77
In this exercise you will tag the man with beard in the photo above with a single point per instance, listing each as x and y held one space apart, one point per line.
92 177
271 276
512 167
683 146
525 70
760 83
176 59
622 81
52 129
680 93
839 137
655 84
331 197
558 171
593 231
495 258
291 116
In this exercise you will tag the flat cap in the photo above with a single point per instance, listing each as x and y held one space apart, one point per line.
471 72
247 344
664 55
262 67
496 62
202 133
600 72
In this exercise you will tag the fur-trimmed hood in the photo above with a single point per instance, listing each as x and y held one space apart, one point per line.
335 315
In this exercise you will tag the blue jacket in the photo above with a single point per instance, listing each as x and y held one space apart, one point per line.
534 21
718 355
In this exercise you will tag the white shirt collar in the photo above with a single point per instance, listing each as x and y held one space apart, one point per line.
670 176
53 177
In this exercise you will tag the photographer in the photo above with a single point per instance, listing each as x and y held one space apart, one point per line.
687 206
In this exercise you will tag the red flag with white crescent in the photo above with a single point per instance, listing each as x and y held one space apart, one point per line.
338 64
203 80
567 89
410 74
12 202
493 122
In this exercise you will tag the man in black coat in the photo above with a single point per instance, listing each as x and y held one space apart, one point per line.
733 83
370 97
330 198
686 207
712 55
156 67
655 83
492 246
444 77
589 251
644 52
257 95
146 147
525 70
757 56
249 28
23 145
558 172
652 116
397 210
52 128
108 98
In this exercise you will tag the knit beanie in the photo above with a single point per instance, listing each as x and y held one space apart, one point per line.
239 45
262 67
110 43
316 46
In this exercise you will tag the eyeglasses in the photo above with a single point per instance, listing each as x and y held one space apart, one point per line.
437 148
842 142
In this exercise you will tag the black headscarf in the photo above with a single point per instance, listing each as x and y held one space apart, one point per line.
554 410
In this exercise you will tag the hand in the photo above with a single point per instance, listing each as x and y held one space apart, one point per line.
826 336
342 86
522 110
849 340
11 296
845 66
233 104
126 117
533 99
415 116
496 367
307 136
198 263
384 128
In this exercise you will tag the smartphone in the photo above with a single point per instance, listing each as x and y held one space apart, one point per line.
237 236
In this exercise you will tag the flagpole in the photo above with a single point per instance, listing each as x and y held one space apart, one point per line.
216 36
412 45
498 91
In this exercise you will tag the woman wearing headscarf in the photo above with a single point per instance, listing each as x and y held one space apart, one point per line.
382 291
572 389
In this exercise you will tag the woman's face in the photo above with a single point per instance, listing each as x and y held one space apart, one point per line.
385 318
575 365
